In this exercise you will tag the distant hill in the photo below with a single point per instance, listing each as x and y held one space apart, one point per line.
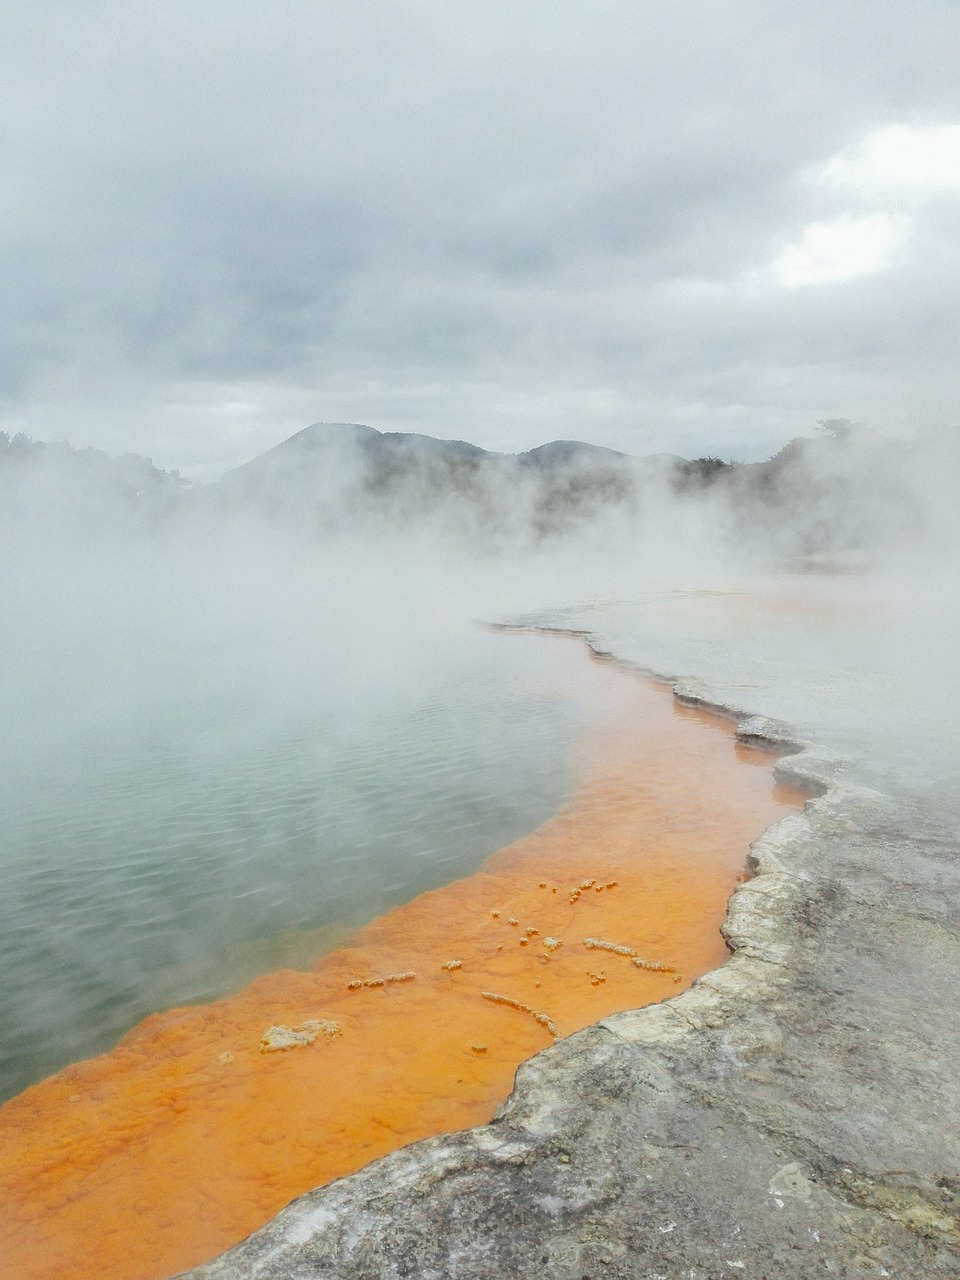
337 455
328 444
844 490
56 484
340 473
324 443
567 452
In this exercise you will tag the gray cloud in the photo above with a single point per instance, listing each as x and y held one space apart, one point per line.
222 222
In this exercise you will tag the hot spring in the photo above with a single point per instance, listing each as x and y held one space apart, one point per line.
313 861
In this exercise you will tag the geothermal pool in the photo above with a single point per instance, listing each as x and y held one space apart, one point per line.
631 821
171 853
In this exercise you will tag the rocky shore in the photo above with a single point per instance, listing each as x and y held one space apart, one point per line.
793 1114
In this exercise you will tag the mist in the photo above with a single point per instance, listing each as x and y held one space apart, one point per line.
240 718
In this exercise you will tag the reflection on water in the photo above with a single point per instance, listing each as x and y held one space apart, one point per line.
172 856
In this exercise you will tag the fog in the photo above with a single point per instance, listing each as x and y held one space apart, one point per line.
236 719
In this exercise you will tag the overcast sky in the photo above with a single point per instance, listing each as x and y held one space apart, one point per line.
694 227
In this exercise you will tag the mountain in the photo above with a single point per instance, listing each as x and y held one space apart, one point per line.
843 490
339 474
330 443
571 452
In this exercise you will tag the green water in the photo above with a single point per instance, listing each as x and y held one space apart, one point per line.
168 852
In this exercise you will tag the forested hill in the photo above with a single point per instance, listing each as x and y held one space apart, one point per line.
56 482
842 489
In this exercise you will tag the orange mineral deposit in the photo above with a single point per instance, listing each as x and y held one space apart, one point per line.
205 1121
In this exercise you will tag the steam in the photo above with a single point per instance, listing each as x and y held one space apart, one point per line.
203 633
351 558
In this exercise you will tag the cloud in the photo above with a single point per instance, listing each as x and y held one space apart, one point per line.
496 223
839 250
893 171
900 163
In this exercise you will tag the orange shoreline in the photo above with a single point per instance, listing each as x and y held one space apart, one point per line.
198 1127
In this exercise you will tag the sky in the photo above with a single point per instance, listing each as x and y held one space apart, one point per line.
696 228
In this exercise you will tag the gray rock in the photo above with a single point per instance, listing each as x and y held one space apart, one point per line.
794 1114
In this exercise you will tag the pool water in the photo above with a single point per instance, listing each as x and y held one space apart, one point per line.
172 848
211 1118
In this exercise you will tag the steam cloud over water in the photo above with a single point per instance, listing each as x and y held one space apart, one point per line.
237 717
218 751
